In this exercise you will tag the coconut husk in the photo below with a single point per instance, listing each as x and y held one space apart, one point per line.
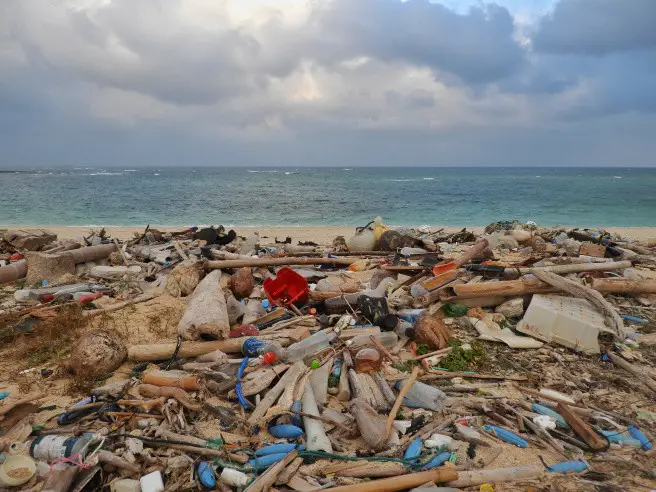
96 354
242 283
433 332
184 278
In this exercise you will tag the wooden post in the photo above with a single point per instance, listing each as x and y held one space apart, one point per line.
267 262
402 482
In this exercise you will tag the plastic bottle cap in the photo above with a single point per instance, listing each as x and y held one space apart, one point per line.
312 311
269 358
265 303
315 364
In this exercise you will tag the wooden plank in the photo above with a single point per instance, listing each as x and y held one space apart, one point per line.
581 428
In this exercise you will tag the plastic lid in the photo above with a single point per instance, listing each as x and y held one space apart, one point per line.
265 303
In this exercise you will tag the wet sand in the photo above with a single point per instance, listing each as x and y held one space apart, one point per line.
319 234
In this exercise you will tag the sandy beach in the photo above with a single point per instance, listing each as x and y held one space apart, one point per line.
319 234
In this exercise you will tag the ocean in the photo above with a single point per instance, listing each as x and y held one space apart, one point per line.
328 196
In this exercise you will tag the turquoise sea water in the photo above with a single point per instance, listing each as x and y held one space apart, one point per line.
328 196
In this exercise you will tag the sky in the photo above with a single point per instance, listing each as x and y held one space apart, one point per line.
327 83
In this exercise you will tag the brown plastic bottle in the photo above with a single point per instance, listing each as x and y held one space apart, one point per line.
367 360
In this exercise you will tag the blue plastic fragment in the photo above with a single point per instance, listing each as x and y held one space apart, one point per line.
297 420
438 460
286 431
506 436
568 467
275 449
206 475
616 437
634 319
636 433
4 395
414 450
266 461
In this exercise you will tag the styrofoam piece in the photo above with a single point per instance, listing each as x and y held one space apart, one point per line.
568 321
152 482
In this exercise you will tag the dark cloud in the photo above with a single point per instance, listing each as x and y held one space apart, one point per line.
477 47
597 27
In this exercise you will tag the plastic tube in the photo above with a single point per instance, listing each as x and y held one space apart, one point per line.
316 434
243 401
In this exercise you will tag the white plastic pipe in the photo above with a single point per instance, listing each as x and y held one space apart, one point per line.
317 440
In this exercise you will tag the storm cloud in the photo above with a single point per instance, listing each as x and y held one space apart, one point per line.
346 82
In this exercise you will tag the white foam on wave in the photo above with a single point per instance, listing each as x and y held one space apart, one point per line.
130 170
428 179
617 177
401 180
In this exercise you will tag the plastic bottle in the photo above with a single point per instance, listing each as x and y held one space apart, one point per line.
49 448
253 347
402 328
367 360
310 346
424 396
387 339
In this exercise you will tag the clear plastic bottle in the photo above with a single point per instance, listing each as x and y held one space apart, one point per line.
424 396
310 346
387 339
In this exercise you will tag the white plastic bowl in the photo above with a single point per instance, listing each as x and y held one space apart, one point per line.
14 463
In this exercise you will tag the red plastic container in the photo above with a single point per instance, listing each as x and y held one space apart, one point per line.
288 287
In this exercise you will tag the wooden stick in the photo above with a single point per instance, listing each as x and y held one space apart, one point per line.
180 251
135 415
402 482
399 399
582 429
533 392
287 474
474 376
146 405
627 366
380 347
478 477
275 392
535 286
111 459
345 428
344 388
267 479
267 262
446 350
115 307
